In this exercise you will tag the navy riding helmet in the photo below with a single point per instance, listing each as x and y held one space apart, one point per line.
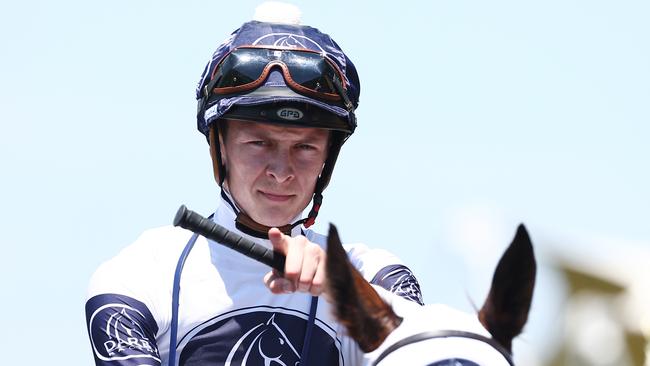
283 74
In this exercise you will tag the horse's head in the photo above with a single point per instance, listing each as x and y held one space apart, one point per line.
434 334
265 344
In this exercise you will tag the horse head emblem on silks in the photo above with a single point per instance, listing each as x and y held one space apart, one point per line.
265 344
122 323
404 333
124 332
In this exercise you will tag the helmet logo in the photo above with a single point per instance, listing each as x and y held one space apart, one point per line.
287 40
290 114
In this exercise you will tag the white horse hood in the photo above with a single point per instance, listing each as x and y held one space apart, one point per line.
394 332
431 318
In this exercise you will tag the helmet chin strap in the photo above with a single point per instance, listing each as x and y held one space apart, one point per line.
311 218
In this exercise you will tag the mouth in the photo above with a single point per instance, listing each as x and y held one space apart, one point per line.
275 197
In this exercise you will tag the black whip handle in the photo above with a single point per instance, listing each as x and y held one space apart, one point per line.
190 220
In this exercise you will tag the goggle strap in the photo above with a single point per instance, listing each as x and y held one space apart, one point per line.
206 95
339 87
208 88
348 104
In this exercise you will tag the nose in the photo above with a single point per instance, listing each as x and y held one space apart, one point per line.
280 167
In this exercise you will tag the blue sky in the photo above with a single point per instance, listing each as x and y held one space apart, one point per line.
474 116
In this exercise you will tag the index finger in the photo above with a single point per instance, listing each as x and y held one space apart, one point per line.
279 241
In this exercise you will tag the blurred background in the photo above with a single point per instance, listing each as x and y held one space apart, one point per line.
475 116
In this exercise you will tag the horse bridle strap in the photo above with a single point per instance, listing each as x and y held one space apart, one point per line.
444 334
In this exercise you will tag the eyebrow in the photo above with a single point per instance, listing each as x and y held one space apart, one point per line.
311 137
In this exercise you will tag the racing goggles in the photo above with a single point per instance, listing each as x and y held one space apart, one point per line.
305 71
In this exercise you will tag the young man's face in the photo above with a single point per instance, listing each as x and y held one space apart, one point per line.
272 170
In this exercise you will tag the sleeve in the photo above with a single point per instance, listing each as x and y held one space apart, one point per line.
128 307
122 331
399 280
384 269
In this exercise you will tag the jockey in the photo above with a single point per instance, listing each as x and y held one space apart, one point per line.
276 102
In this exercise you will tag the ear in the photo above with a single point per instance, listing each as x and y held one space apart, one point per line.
368 319
505 311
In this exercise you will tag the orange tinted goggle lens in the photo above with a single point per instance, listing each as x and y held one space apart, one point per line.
307 72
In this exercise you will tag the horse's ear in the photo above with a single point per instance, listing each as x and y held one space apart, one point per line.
505 311
367 318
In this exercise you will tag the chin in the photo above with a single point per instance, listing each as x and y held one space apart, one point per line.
273 220
276 218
